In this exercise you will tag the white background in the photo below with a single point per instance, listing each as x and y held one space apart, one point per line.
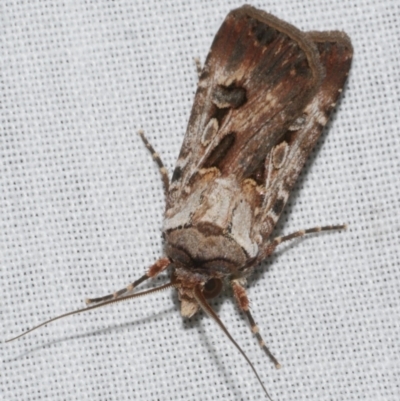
81 210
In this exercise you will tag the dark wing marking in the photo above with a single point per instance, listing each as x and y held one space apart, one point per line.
335 52
258 77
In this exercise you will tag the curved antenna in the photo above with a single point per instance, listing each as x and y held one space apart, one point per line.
140 294
210 312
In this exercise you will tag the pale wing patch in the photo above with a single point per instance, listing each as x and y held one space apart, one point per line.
298 123
279 155
181 216
217 206
241 228
210 131
315 112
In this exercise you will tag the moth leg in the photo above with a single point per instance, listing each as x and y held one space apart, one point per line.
278 240
153 271
243 302
198 66
157 159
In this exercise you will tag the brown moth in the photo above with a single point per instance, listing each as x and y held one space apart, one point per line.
264 96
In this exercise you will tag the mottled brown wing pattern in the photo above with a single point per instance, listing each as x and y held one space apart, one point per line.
285 161
264 95
234 124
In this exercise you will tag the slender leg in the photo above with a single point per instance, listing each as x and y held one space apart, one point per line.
157 159
198 66
153 271
278 240
162 263
243 302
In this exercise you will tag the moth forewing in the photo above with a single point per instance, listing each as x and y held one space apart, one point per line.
264 96
335 54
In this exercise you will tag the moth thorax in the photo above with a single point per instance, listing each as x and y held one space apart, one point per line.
201 253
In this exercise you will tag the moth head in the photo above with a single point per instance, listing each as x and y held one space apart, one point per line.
185 281
201 259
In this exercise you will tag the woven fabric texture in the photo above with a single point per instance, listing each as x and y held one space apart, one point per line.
81 210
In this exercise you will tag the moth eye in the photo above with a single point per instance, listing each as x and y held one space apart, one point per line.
212 288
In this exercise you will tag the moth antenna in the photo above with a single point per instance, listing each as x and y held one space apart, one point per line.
301 233
157 159
199 67
117 294
140 294
255 330
159 266
210 312
243 302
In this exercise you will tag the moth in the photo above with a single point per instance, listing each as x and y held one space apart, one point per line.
264 95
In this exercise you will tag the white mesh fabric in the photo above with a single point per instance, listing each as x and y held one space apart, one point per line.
82 202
